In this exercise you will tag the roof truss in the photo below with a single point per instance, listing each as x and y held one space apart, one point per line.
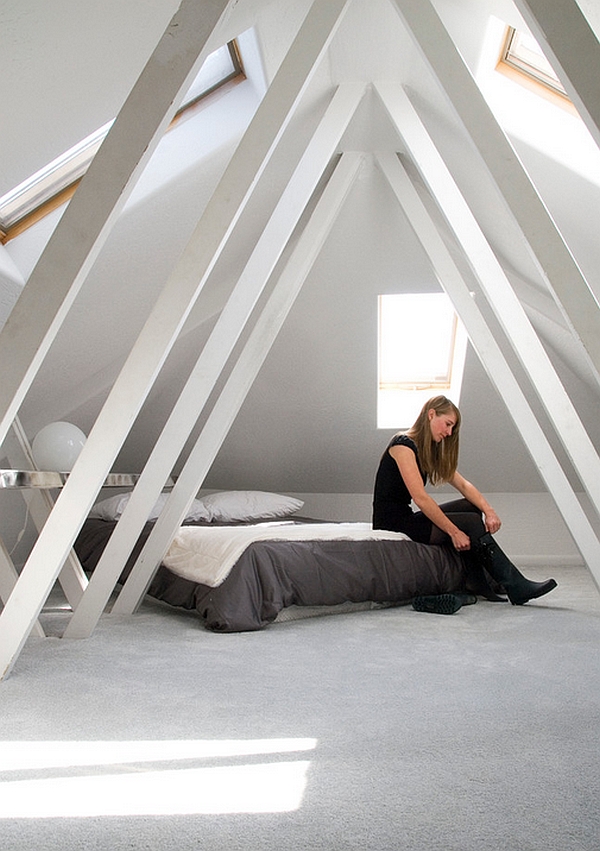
101 195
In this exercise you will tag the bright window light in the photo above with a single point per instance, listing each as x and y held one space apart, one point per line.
522 52
94 779
531 111
63 172
422 347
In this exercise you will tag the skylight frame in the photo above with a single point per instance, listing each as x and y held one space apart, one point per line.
423 321
55 183
521 55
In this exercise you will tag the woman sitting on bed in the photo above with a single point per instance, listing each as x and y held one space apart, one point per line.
429 451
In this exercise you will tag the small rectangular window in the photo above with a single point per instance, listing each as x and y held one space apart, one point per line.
522 53
422 347
59 177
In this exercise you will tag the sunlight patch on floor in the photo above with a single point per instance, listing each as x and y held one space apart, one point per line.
138 788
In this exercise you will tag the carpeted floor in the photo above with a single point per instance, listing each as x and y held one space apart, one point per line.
374 730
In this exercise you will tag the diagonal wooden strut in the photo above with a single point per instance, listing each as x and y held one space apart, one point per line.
85 224
573 50
240 380
497 289
164 324
213 357
549 252
39 503
8 580
494 362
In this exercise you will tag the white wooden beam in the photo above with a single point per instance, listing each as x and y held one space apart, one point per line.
496 287
240 381
85 224
39 504
572 48
215 354
163 325
494 362
8 580
549 252
72 578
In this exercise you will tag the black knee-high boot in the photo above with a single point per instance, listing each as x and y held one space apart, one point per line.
501 568
476 580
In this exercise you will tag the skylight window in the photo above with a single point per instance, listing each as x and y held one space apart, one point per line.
532 112
522 54
422 347
56 182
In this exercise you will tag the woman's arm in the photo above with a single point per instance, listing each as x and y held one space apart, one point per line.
407 464
470 492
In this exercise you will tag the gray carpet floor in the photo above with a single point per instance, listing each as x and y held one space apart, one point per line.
374 730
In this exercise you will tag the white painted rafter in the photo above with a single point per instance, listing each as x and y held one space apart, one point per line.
246 169
135 380
240 380
8 580
213 358
494 362
84 226
552 257
497 288
572 48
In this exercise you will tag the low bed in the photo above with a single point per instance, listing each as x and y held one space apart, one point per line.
243 570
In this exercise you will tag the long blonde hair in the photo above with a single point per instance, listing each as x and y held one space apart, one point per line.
438 460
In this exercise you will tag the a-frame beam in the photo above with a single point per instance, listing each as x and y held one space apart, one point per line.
214 356
84 226
494 362
133 384
573 50
73 580
551 255
496 287
240 381
8 580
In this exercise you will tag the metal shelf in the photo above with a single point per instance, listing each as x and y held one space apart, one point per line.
47 480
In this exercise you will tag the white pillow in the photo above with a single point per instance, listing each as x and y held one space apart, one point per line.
114 506
111 508
227 506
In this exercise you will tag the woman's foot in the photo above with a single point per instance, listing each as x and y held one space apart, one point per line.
528 590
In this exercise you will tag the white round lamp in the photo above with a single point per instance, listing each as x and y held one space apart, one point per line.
57 446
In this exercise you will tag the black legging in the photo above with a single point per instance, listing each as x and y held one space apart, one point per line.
463 514
421 529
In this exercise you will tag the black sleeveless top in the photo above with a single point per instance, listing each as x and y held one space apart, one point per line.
391 499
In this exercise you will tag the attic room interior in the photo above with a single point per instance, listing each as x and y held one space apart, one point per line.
206 209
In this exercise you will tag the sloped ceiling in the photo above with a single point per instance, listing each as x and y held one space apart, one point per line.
309 422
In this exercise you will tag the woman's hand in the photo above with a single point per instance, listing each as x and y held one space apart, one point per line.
460 541
492 521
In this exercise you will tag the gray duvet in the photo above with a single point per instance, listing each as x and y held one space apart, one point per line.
273 575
